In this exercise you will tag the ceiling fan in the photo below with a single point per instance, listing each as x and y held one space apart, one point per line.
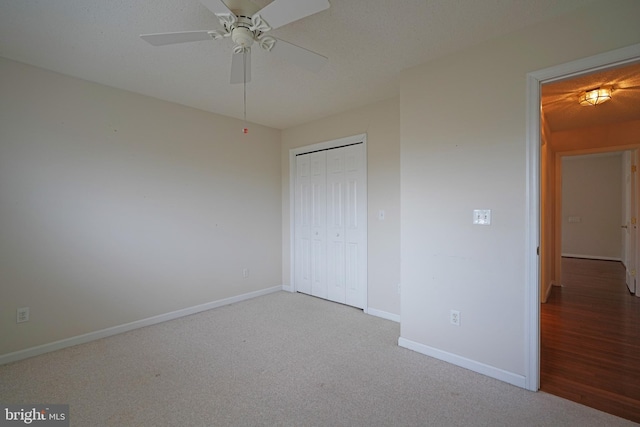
246 23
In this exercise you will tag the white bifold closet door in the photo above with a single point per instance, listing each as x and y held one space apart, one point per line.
330 225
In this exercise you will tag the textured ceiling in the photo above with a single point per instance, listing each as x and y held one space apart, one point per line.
368 43
562 110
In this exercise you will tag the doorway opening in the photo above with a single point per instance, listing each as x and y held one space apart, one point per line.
545 269
587 344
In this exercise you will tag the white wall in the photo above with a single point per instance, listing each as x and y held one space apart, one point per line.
381 122
115 207
463 146
592 199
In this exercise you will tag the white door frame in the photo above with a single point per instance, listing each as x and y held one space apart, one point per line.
532 239
355 139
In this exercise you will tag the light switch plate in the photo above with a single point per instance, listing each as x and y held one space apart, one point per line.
482 216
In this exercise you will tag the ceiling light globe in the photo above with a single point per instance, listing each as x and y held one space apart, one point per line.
595 96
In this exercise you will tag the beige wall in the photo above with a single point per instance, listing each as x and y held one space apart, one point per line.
381 122
463 147
592 192
115 207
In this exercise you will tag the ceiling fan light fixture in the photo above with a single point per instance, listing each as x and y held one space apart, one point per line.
227 19
259 24
596 96
217 35
267 43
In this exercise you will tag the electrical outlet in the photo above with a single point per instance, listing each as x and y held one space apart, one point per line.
455 317
245 272
22 315
482 216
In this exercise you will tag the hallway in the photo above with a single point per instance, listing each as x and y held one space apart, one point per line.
590 338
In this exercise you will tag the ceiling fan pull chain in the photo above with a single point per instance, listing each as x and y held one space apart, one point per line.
245 129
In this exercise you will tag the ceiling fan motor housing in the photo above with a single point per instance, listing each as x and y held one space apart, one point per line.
242 36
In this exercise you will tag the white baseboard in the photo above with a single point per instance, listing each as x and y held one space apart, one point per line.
383 314
103 333
472 365
367 310
583 256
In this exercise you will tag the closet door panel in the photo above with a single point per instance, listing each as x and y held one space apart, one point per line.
318 184
302 229
336 196
355 225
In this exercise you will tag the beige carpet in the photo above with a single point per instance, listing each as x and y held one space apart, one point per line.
279 360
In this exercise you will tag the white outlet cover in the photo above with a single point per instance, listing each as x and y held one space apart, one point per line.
22 315
455 317
482 216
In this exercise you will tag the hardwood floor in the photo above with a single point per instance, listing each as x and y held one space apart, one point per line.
590 339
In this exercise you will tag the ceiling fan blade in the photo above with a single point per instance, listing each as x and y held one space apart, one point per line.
298 55
217 7
237 67
162 39
282 12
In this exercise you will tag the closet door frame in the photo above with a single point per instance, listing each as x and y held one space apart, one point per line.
326 145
